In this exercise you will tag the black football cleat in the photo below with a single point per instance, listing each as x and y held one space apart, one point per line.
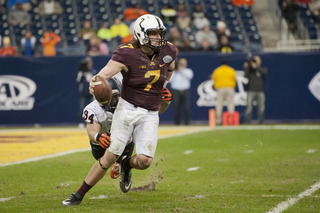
125 180
74 199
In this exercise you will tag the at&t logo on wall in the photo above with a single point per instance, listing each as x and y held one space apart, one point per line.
16 92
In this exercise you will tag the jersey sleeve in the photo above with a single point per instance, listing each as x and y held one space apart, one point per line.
90 116
172 50
121 54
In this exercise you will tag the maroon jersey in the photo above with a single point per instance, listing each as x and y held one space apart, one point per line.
143 82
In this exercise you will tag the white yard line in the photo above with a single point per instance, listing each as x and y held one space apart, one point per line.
315 196
286 204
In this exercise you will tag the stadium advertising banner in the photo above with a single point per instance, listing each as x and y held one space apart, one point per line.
292 85
38 90
44 91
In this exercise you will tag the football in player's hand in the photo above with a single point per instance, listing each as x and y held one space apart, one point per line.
102 91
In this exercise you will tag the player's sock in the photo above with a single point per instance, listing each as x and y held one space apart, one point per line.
126 163
84 188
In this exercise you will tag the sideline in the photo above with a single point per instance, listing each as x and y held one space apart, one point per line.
286 204
164 132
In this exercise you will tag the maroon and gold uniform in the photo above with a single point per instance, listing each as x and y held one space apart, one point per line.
137 112
143 82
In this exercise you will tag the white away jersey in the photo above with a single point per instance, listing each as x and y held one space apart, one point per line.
95 114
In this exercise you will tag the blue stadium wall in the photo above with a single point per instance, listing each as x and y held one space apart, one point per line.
44 91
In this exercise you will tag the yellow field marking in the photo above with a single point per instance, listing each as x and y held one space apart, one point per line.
39 144
24 144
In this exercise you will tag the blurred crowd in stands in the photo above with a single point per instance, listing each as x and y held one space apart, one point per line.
307 10
96 41
188 31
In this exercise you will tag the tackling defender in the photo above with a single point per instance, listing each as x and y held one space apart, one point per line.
146 64
99 120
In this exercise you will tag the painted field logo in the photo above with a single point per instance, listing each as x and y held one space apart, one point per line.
208 94
16 92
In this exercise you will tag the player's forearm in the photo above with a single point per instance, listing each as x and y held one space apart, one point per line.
92 135
170 70
164 106
92 131
111 69
169 74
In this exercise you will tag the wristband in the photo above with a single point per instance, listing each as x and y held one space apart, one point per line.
95 137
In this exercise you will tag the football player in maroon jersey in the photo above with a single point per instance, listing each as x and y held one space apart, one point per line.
146 64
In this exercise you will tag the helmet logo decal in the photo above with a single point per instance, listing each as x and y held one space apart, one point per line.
142 28
158 22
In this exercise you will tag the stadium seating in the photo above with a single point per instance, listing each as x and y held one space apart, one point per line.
240 21
308 21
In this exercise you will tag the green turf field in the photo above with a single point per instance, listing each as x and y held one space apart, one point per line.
239 171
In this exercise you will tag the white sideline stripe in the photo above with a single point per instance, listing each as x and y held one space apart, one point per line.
46 157
285 204
194 130
88 149
204 128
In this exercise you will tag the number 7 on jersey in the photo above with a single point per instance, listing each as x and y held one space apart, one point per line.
156 74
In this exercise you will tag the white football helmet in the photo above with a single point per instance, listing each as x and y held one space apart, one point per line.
146 23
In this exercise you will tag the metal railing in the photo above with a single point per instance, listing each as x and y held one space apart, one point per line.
299 45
